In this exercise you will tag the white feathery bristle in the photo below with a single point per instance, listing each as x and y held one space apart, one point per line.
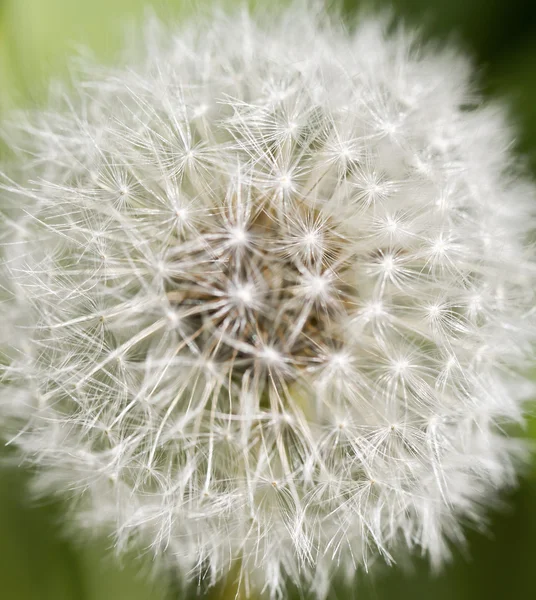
266 292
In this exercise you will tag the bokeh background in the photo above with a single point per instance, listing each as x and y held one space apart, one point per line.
37 560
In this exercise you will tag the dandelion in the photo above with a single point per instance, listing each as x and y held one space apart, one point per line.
267 295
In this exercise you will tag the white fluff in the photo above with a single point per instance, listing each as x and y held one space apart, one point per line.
267 291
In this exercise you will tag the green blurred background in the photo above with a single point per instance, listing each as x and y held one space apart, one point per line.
38 562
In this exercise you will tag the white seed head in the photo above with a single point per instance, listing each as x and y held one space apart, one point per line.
266 291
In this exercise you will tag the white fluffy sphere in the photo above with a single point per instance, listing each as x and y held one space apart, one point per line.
267 289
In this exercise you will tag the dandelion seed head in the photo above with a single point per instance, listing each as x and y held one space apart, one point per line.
267 292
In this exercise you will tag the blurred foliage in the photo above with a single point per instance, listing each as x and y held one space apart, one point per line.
36 561
37 36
